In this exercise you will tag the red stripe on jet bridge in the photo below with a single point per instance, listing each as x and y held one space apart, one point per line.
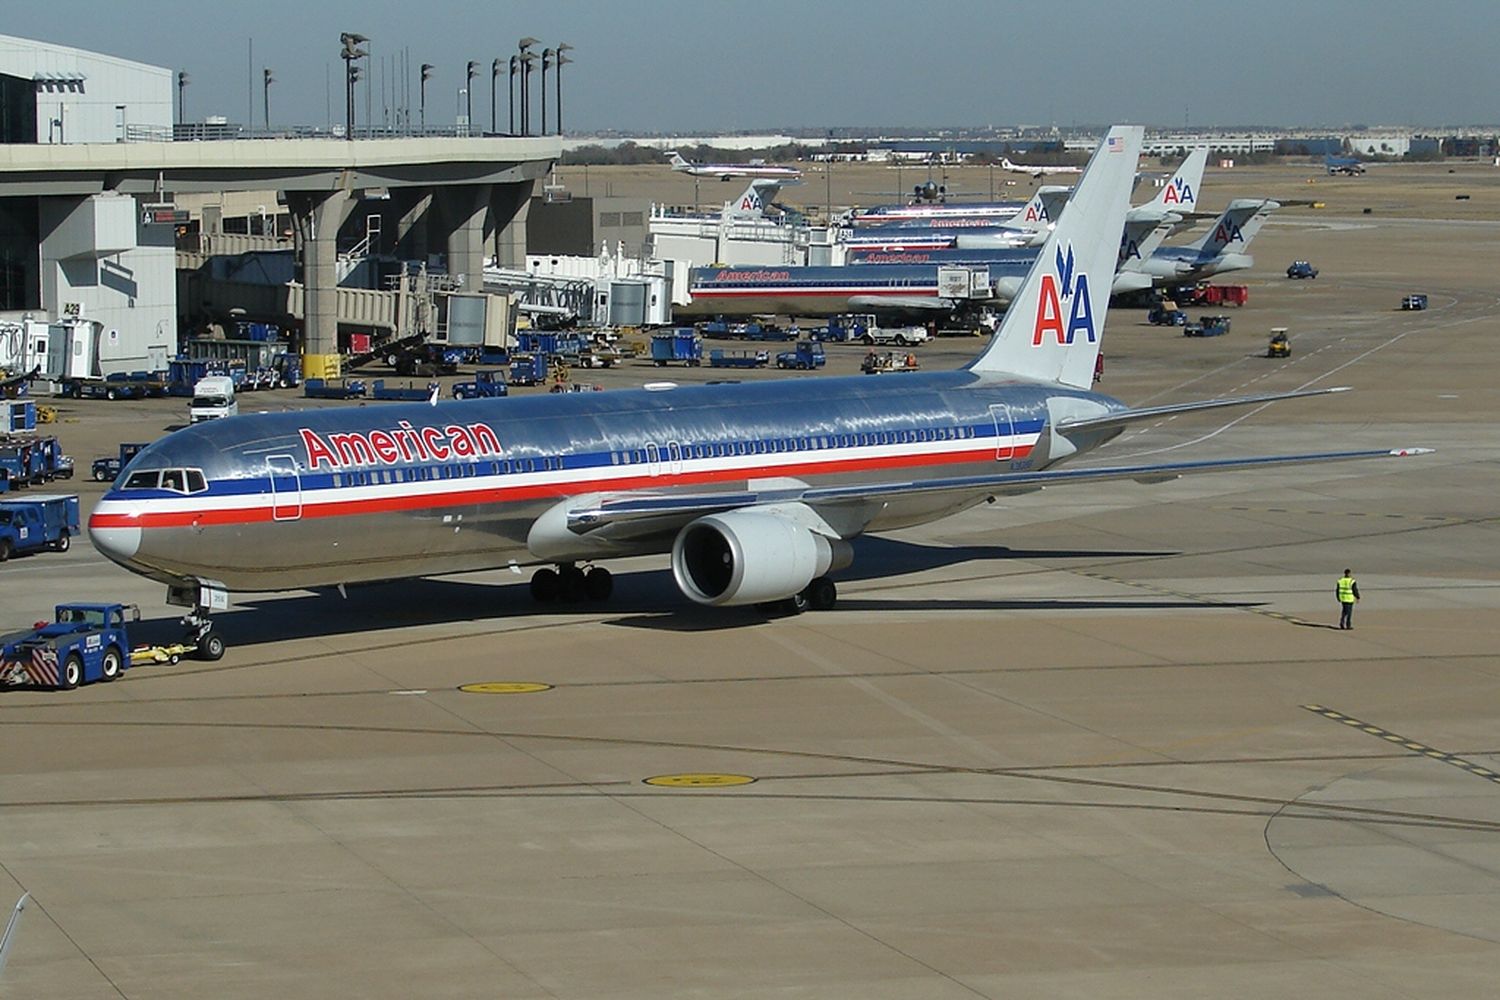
312 508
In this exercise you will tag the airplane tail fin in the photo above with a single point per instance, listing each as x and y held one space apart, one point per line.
1180 194
1145 229
1052 329
1043 209
1234 229
678 163
752 204
10 929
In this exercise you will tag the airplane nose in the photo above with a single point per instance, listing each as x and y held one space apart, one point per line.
117 543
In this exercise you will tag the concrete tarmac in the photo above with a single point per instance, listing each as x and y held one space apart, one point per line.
1099 741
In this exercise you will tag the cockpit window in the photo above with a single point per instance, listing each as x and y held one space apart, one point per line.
176 480
147 479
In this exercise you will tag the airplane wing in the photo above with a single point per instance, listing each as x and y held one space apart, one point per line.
10 929
637 515
1120 418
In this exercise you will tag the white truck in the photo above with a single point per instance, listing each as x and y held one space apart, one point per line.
862 327
213 399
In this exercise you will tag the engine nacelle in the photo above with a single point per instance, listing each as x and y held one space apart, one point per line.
748 557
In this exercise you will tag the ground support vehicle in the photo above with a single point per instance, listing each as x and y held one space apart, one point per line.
1204 294
806 356
317 388
528 369
1415 302
1207 326
112 387
398 394
487 384
26 460
107 469
718 358
876 363
1301 269
1166 314
82 644
36 523
900 336
427 360
1280 346
678 346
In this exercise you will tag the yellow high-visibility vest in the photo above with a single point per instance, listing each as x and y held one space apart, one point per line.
1346 590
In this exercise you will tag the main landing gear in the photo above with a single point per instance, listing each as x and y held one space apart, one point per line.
820 595
571 585
201 637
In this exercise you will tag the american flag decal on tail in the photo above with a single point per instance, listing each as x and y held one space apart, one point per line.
1114 143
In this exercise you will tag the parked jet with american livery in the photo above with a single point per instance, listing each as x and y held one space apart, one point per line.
754 489
728 171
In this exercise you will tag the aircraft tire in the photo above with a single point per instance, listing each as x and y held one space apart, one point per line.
545 586
210 647
598 584
822 594
574 584
796 604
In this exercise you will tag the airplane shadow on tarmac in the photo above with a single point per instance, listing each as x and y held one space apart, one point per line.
643 599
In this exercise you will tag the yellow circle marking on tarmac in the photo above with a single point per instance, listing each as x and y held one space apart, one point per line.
699 780
505 687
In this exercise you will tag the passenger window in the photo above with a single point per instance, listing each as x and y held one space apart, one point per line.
195 481
143 480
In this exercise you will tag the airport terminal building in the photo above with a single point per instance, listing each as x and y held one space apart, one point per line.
87 254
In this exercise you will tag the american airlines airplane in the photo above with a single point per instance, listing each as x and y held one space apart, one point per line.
1035 171
754 490
726 171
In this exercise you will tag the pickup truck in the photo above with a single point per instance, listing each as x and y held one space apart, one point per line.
900 336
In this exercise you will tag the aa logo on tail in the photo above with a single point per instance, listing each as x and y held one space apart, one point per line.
1036 213
1227 232
1057 289
1177 193
751 203
1128 248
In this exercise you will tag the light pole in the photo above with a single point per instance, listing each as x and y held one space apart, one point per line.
182 81
469 96
350 53
557 74
527 59
266 89
422 78
546 62
515 64
494 82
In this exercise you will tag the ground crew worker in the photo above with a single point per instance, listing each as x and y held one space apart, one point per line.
1347 590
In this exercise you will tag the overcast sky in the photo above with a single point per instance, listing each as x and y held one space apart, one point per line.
674 65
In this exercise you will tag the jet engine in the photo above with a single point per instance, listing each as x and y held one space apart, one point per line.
749 557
